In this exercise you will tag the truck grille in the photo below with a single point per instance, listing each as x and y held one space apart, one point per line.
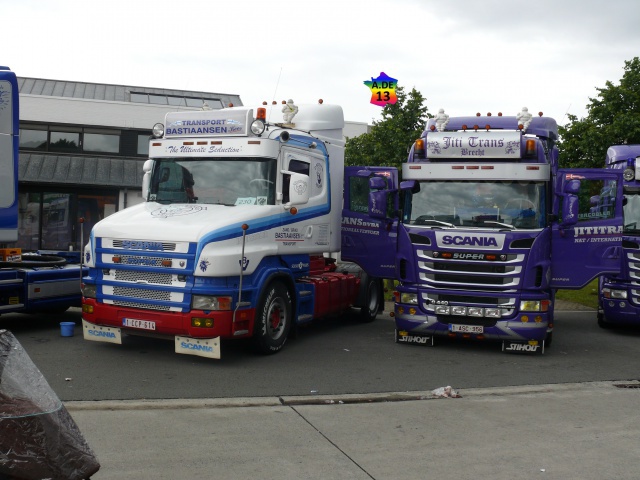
144 276
440 272
633 264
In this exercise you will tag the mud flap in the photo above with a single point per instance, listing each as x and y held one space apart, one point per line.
402 336
523 347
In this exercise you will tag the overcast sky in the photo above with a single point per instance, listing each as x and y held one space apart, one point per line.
464 56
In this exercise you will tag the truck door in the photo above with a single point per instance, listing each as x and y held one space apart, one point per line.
586 240
370 240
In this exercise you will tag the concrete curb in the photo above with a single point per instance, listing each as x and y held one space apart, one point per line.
290 401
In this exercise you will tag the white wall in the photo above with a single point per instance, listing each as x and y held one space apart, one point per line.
80 111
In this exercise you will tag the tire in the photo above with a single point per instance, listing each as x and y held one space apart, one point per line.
273 319
602 321
548 340
372 298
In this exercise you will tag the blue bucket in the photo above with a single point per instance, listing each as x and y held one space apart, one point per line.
67 328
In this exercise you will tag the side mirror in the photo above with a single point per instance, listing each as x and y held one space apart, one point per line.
378 204
572 186
377 183
569 210
298 189
147 167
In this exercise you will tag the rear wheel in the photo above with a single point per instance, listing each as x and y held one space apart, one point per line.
372 298
273 319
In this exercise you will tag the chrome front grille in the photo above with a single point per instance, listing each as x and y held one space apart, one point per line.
142 293
152 278
500 274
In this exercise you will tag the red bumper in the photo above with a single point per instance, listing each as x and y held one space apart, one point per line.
170 323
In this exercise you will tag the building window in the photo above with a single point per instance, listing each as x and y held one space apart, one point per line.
143 145
176 101
139 97
50 220
64 141
158 99
101 142
33 139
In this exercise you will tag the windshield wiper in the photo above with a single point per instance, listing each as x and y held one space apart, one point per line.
492 222
437 222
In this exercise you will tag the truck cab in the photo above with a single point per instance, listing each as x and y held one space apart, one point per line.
619 293
488 227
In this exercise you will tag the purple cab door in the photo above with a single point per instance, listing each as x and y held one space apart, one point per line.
370 240
586 239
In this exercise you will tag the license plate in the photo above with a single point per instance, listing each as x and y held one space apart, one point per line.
466 328
142 324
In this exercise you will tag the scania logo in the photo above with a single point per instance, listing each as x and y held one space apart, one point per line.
141 245
200 348
99 333
472 241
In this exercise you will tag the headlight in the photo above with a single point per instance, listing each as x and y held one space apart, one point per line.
88 291
206 302
534 305
257 127
158 130
613 293
410 298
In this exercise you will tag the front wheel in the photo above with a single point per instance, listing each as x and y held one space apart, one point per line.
372 298
602 321
273 319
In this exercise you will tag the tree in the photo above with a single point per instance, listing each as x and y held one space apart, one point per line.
613 118
387 142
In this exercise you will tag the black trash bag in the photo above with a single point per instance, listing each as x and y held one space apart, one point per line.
38 438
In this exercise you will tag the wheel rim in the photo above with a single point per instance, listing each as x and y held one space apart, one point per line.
276 318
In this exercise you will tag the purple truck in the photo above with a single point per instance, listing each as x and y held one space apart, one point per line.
619 299
484 228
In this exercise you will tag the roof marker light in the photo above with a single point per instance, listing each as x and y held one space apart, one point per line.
530 147
488 114
432 128
499 114
488 127
478 114
320 101
464 127
540 114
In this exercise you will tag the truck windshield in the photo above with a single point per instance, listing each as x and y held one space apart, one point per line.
225 181
631 211
503 204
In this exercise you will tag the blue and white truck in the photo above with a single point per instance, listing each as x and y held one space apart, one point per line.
236 237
